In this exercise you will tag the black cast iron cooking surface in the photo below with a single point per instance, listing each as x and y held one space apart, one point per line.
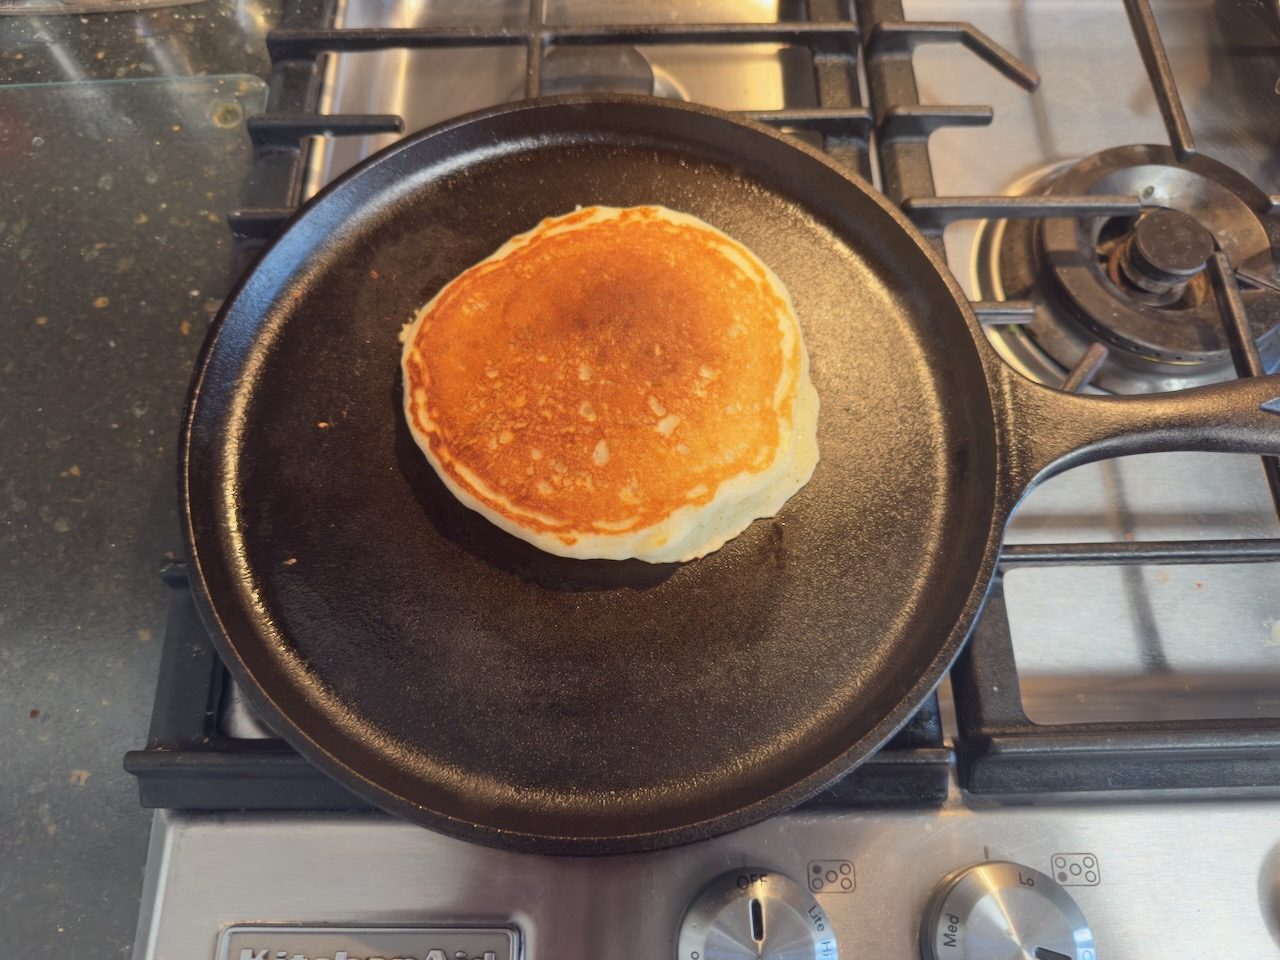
465 680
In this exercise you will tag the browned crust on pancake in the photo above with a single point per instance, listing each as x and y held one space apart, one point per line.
598 379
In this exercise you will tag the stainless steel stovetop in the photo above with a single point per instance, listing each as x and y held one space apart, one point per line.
1176 877
1190 881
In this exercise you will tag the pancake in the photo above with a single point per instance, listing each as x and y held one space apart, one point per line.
615 383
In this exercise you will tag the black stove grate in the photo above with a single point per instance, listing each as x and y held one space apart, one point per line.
1000 750
191 763
306 33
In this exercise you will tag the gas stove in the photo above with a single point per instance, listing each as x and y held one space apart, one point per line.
1100 775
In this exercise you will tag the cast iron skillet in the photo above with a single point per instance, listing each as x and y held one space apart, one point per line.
467 681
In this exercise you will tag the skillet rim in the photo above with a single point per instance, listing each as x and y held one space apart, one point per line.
199 570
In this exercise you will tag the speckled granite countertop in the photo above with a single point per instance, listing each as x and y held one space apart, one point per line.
122 146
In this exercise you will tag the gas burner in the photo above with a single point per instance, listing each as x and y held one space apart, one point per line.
1137 285
611 69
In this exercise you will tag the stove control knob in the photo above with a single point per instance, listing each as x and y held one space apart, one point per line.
755 913
999 910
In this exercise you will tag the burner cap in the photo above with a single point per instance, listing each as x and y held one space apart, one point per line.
1164 251
605 69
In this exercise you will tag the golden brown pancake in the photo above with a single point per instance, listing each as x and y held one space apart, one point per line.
615 383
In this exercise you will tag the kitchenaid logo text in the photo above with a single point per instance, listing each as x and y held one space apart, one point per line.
248 953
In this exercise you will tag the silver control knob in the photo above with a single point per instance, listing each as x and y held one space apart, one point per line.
1004 911
755 913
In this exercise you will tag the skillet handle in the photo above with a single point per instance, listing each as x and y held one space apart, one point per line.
1049 431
